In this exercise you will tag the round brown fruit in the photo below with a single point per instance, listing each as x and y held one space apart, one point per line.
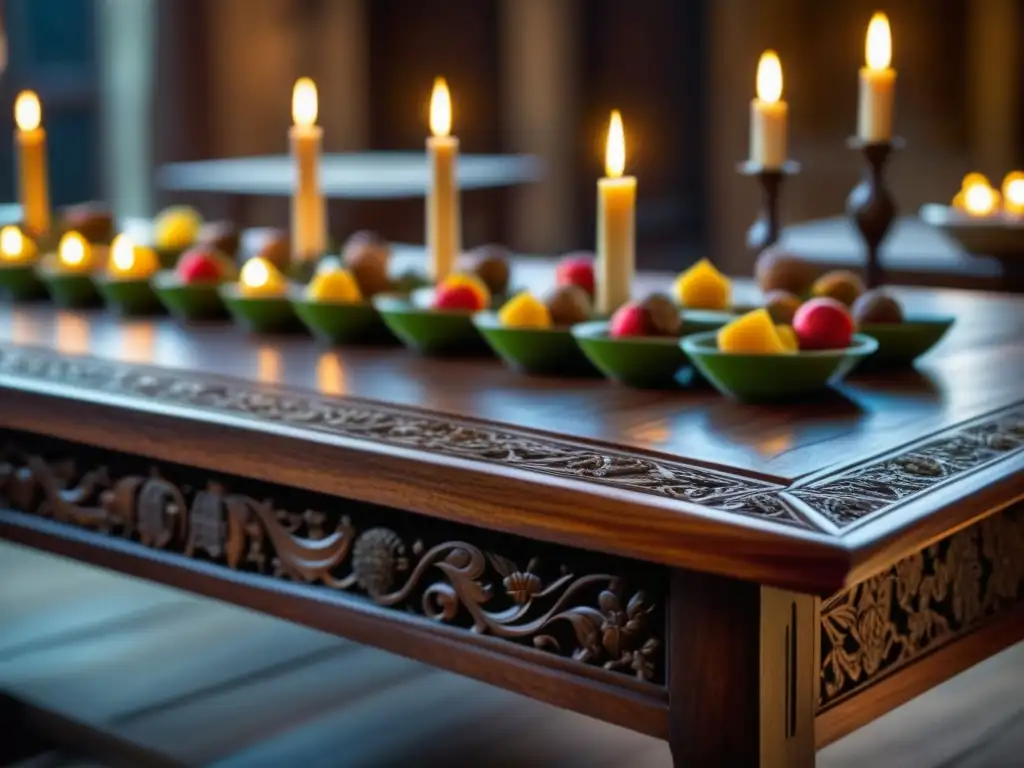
778 270
221 235
876 306
491 264
366 244
276 248
840 284
568 305
782 305
91 220
662 314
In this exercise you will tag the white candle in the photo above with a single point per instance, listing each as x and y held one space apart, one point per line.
616 230
877 84
444 222
309 217
768 115
33 188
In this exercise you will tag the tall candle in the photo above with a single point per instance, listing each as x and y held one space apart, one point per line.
877 84
768 114
33 188
616 230
444 222
309 218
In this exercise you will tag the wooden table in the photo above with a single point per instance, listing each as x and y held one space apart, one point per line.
745 582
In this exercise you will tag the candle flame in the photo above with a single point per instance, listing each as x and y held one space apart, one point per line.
1013 192
255 273
979 198
12 243
615 149
122 253
72 249
878 44
304 102
440 109
769 77
28 113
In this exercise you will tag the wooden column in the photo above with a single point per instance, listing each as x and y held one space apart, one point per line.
127 37
540 86
994 98
741 674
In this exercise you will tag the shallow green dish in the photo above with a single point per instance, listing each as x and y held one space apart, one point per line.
647 362
188 302
70 290
342 323
900 344
19 282
430 331
538 351
765 378
129 297
259 314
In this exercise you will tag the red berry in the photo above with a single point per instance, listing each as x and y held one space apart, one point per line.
198 266
578 270
461 297
823 323
630 320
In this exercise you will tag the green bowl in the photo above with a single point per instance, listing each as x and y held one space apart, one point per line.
646 362
430 331
259 314
19 282
900 344
70 290
538 351
188 302
767 378
700 320
128 297
342 323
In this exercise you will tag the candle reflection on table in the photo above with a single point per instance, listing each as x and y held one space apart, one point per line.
330 375
268 365
137 342
71 334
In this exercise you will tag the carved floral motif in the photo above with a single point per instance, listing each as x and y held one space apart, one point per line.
590 618
922 602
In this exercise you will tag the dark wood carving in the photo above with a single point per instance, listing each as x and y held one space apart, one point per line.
923 602
843 498
881 484
593 618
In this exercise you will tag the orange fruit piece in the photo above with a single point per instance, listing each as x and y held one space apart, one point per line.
525 311
703 287
751 334
787 336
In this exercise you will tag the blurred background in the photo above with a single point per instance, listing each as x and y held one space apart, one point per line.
130 85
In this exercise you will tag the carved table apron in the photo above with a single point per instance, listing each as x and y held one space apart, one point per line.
747 617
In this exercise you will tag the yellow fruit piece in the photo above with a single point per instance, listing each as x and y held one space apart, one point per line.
335 286
176 227
261 279
787 336
525 311
751 334
470 281
703 287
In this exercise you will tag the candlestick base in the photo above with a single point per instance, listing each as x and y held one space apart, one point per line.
765 230
870 205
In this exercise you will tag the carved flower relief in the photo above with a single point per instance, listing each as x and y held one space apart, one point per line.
622 628
378 557
522 587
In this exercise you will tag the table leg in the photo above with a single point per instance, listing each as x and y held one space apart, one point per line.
741 673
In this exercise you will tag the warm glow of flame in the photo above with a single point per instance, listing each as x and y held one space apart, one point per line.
12 243
878 45
72 250
980 199
304 102
615 149
973 178
769 77
255 273
440 109
122 253
28 114
1013 192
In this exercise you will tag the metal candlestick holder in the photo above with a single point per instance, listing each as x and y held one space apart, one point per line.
870 205
766 228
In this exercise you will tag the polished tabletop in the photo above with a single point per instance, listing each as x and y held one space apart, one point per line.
351 176
976 373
